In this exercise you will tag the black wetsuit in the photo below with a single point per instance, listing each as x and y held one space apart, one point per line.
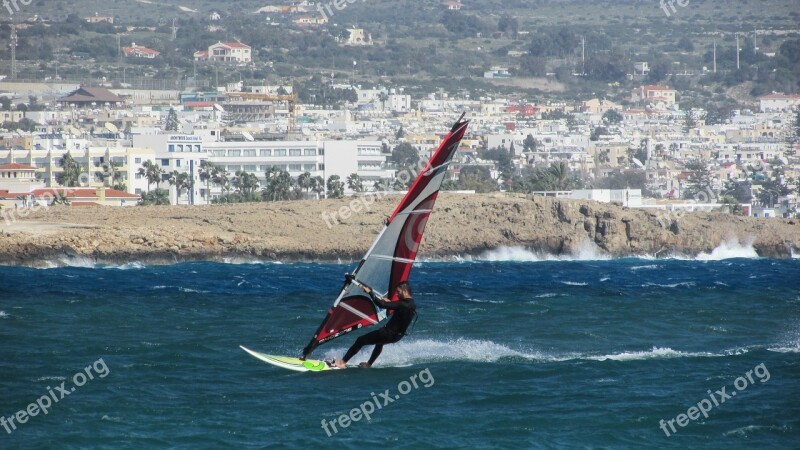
393 331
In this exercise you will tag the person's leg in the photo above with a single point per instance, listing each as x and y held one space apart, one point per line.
375 353
367 339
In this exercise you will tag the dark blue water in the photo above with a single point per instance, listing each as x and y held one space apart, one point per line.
505 354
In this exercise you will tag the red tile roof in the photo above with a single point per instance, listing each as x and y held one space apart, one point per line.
16 166
235 45
83 204
83 193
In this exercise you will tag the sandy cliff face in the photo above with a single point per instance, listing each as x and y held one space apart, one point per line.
460 225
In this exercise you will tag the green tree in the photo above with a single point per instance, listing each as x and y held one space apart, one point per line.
305 182
246 184
171 123
318 185
71 173
612 116
156 197
699 184
206 173
278 185
182 181
355 183
335 187
221 178
152 172
405 155
476 178
529 144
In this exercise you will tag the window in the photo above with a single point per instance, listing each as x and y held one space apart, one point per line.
264 168
137 160
171 148
218 153
138 176
295 152
310 167
310 152
234 153
280 152
197 148
295 167
164 162
234 168
266 152
250 168
138 191
249 153
177 163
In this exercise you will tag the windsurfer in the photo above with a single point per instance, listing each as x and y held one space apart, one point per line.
404 311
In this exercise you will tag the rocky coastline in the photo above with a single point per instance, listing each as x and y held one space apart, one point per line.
342 230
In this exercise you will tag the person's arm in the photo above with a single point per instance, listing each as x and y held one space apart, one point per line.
384 302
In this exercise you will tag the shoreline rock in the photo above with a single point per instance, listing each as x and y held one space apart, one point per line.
461 225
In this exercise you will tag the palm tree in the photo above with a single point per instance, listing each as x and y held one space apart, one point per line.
318 186
152 172
181 181
246 184
355 183
206 175
304 181
72 171
335 187
561 176
278 186
111 175
220 177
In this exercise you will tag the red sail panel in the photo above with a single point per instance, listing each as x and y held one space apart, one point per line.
350 314
438 162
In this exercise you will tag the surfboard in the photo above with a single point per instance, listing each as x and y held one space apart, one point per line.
287 362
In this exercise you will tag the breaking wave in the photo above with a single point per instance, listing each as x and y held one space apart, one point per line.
420 351
729 249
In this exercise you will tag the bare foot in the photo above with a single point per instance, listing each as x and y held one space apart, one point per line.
364 365
340 364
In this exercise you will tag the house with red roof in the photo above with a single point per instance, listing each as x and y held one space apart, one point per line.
138 51
18 178
654 95
226 52
77 197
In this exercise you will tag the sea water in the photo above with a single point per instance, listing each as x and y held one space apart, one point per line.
512 351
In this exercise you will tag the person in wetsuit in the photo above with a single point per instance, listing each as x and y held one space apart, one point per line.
404 311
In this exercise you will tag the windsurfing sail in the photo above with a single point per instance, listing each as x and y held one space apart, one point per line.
388 262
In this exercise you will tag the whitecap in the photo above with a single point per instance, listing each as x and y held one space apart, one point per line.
574 283
4 315
729 249
654 353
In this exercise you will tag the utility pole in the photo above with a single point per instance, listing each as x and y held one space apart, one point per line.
755 44
13 51
737 52
715 55
583 55
174 30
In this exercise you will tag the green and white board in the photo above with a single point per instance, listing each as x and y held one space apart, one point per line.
287 362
